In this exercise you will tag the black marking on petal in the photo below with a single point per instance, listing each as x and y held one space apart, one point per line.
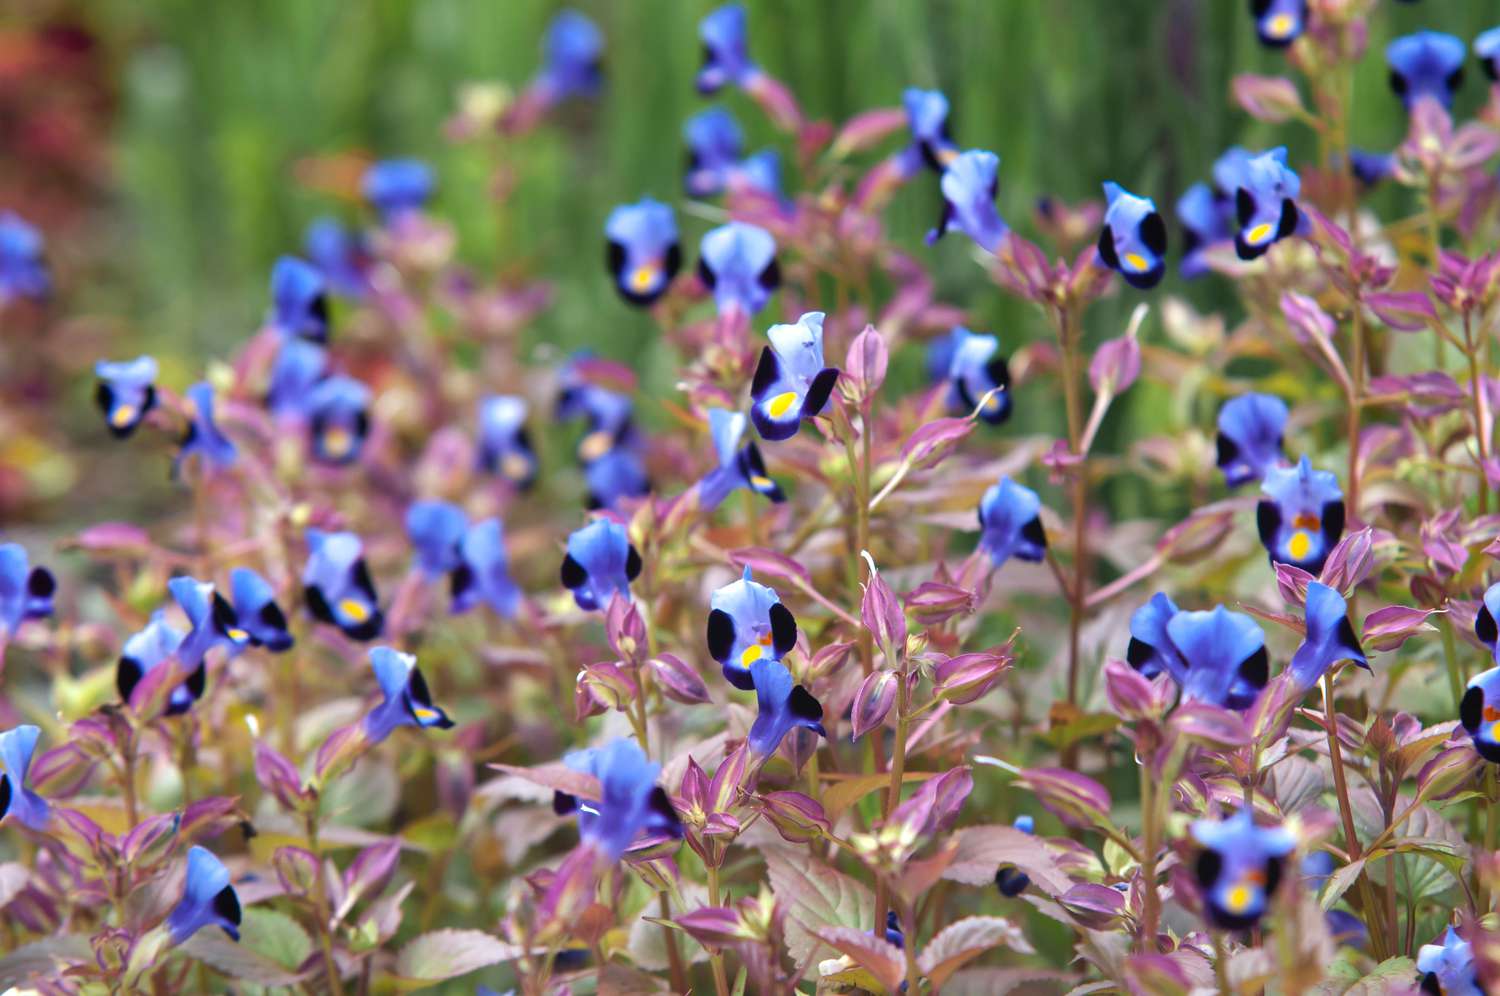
225 618
802 705
227 905
1154 233
1288 222
770 277
197 682
1489 67
1229 450
40 583
614 258
1256 669
818 391
1244 206
104 397
317 604
1484 627
738 676
1034 532
632 564
1260 8
998 371
1348 638
460 580
1398 83
1138 654
318 308
416 685
1471 709
671 263
271 615
1207 868
783 630
1431 985
1273 875
4 796
662 806
1107 248
720 635
706 274
563 803
1267 521
766 372
1333 522
1455 80
367 630
128 674
362 579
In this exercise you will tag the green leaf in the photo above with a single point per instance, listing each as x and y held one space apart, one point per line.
44 957
237 961
964 940
447 954
815 896
1340 881
275 935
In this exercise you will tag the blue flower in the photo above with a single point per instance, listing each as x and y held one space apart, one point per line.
726 55
740 462
931 144
714 144
969 186
256 610
1485 628
208 900
436 528
630 802
1010 523
1008 879
405 699
1216 656
748 623
1426 64
398 187
203 437
299 299
737 262
1479 712
504 444
126 392
339 254
1330 637
337 587
893 934
483 573
25 591
149 649
338 410
617 475
1487 47
1251 428
643 253
1239 868
781 707
1302 515
1150 647
1448 968
1206 221
973 368
572 57
212 620
16 798
1345 928
1133 241
1370 168
23 271
1278 23
300 365
1265 203
599 563
791 383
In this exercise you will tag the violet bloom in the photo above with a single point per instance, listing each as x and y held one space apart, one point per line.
211 619
436 528
256 611
299 299
23 271
1150 646
1278 23
1371 168
25 591
737 263
483 572
1249 442
126 392
748 623
1010 523
643 254
16 797
726 51
1479 712
1205 223
203 437
1222 655
208 900
630 802
338 410
300 365
1008 879
405 699
974 370
969 186
893 934
714 164
337 587
1485 628
1265 203
572 58
1426 64
1302 516
1133 241
397 187
599 563
781 706
1487 47
339 254
791 383
149 649
1330 637
740 462
1448 967
931 143
617 475
504 444
1239 868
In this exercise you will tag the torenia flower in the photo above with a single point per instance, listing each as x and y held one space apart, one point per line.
973 369
147 650
1205 222
339 417
748 623
1150 647
406 700
504 444
208 900
1133 241
1265 203
714 164
203 437
572 58
1278 23
1302 515
630 802
483 572
256 611
25 591
616 475
1010 881
1426 64
23 271
1239 868
337 586
16 799
1330 637
1485 628
791 383
1251 428
599 563
726 51
781 706
643 252
1010 523
339 254
740 462
436 528
931 143
397 187
1479 711
126 392
737 262
1370 168
211 619
299 299
1487 47
1448 967
1216 656
299 367
969 186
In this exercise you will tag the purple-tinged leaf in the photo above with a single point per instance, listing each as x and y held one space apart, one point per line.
880 610
678 681
368 874
967 677
1095 906
983 849
715 926
1445 774
447 954
297 870
1293 582
279 777
152 833
934 602
771 563
557 777
867 129
113 538
1390 627
1273 99
934 806
964 940
1350 562
1075 799
1404 311
608 683
1116 365
1200 534
931 443
864 367
796 817
1132 695
873 700
1210 725
625 629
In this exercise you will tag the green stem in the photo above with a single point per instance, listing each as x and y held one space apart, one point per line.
716 958
1450 658
1373 921
1151 915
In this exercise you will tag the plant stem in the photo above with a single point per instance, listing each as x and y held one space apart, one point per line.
1450 658
716 958
1221 966
1067 341
1356 389
322 912
676 969
1151 915
1373 921
1476 396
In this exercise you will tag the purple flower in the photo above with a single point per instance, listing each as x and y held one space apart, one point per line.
630 802
931 143
714 165
25 591
436 528
16 798
339 418
737 263
340 256
337 587
599 563
1487 47
397 187
1330 637
208 900
1479 712
781 706
617 475
1278 23
1302 515
299 367
572 57
1251 428
1205 220
1370 168
126 392
1008 879
973 368
203 437
726 54
1239 868
791 383
969 186
405 699
1010 523
1484 621
643 253
1150 646
1218 657
1448 968
1426 64
483 572
1265 203
740 462
504 444
256 611
299 299
748 623
1133 241
212 623
23 271
147 650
